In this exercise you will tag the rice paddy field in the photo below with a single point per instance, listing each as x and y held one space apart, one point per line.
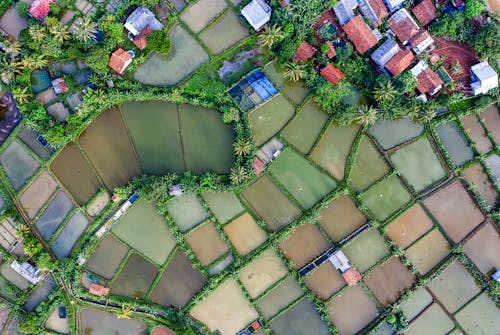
399 199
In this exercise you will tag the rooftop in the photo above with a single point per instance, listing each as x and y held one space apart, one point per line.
403 25
11 115
119 61
374 10
304 52
351 276
400 62
39 9
59 86
257 13
385 52
141 18
360 34
425 12
427 80
332 74
98 290
421 41
331 50
344 10
140 40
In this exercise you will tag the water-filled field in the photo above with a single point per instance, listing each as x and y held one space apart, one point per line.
279 297
224 33
107 257
97 322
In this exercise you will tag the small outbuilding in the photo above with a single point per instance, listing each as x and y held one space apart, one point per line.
140 19
257 13
39 9
428 82
484 78
120 60
99 290
304 52
360 34
425 12
332 74
59 86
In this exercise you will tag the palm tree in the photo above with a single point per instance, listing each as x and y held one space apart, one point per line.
242 147
37 32
238 175
12 47
271 36
21 94
35 61
367 115
294 71
125 312
426 115
385 92
60 32
456 68
21 231
85 30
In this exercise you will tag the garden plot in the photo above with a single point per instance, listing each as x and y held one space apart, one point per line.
185 56
18 164
226 309
352 310
368 166
198 15
275 72
332 150
187 211
418 164
302 318
224 33
305 128
491 119
389 280
245 234
303 245
178 283
386 197
206 243
366 250
37 194
146 231
299 177
454 143
8 293
477 133
162 331
224 205
207 142
455 211
483 248
409 226
420 299
325 281
480 316
263 272
269 118
14 277
77 176
32 139
341 218
454 287
54 215
266 199
493 163
40 293
107 257
57 324
154 130
69 235
433 321
98 322
480 182
135 278
12 23
427 252
97 205
111 153
279 297
390 133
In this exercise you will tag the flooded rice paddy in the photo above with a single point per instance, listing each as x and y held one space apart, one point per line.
107 257
279 297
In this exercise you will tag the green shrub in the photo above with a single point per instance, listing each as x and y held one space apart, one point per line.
473 8
158 41
22 9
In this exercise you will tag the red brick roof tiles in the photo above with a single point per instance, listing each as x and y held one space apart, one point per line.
304 52
400 62
332 74
421 36
351 276
331 50
98 290
140 40
425 12
360 34
404 29
428 81
119 61
379 9
39 9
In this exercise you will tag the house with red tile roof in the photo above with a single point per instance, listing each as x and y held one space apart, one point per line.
304 52
140 40
421 41
428 82
99 290
39 9
374 11
351 276
360 34
425 12
403 26
331 50
120 60
400 62
332 74
258 166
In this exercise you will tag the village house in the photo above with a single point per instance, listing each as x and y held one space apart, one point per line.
257 13
394 5
27 271
332 74
428 82
140 24
385 52
304 52
59 86
374 10
421 42
344 10
484 78
98 290
340 261
39 9
403 26
425 12
120 60
360 34
400 62
331 53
